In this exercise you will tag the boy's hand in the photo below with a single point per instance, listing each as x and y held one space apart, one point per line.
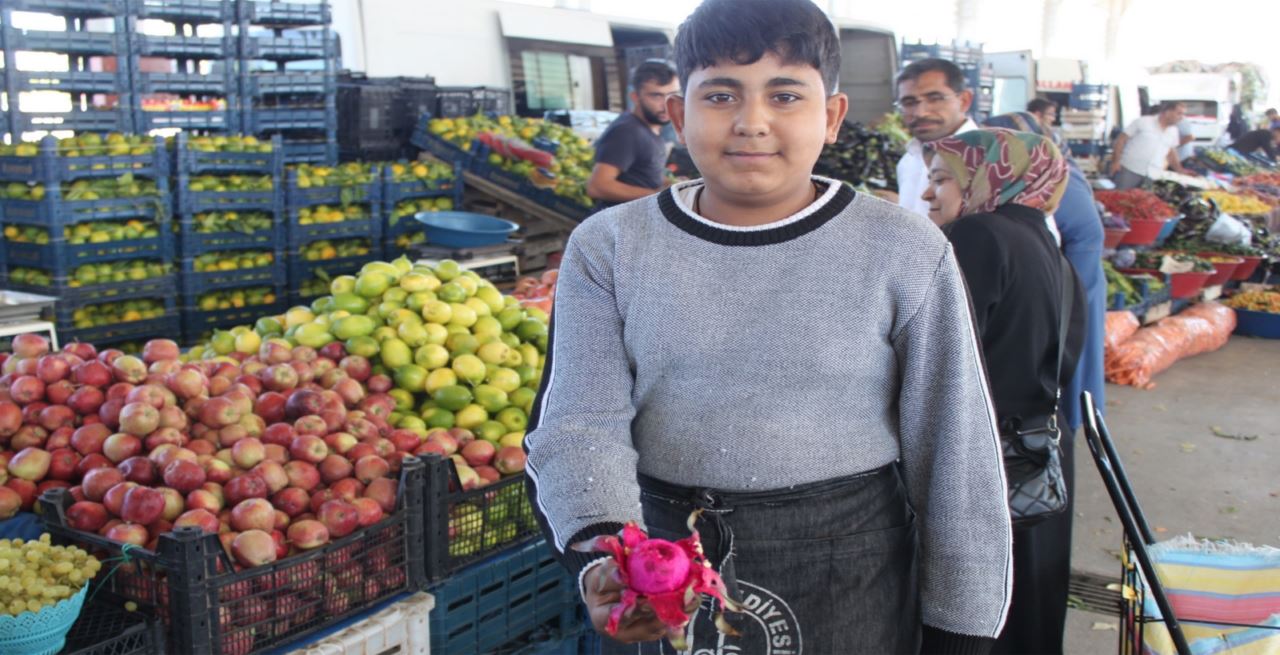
602 590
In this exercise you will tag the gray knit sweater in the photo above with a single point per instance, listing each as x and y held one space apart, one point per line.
824 345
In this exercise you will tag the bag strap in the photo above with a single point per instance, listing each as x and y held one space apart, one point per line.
1064 325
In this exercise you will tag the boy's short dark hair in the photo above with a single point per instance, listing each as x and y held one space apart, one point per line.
743 31
658 71
1272 112
955 76
1169 105
1041 105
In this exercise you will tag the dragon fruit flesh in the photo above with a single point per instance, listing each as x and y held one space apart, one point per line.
669 575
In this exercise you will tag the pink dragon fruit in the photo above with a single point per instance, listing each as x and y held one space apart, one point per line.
667 574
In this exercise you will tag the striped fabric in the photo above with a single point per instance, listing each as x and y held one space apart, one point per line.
1217 581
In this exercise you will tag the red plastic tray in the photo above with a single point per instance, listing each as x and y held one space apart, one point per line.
1114 236
1223 271
1143 231
1245 270
1181 285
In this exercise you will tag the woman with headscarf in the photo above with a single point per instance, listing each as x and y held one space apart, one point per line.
990 191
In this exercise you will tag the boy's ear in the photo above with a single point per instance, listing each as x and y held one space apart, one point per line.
675 110
837 107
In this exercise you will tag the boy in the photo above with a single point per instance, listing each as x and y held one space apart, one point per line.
793 358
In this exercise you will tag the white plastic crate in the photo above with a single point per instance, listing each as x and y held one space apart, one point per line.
402 629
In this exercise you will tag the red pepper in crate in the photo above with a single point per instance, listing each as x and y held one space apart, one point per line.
1135 204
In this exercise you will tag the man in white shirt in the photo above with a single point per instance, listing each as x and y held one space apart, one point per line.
934 104
1147 147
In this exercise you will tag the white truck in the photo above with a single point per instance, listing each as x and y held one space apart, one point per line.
1208 97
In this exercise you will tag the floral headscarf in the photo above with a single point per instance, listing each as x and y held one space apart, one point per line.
996 167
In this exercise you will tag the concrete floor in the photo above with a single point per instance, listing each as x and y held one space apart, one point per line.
1187 478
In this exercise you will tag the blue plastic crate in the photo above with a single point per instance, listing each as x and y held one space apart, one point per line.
184 47
276 119
182 83
72 81
56 213
424 139
196 322
60 257
194 284
194 202
1087 97
79 8
393 192
301 235
256 85
156 287
184 11
295 46
190 161
501 600
72 43
192 243
291 14
1257 324
220 120
93 120
122 332
301 270
48 166
364 194
311 151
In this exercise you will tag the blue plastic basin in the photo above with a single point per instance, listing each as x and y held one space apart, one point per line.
464 229
1257 324
1167 230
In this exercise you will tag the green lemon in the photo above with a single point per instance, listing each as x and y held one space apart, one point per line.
431 356
419 299
350 327
224 343
511 340
513 418
510 317
350 302
437 333
412 334
438 417
491 431
372 284
364 346
480 307
437 311
530 329
447 270
396 295
494 352
452 398
462 343
470 369
522 398
413 424
440 378
314 335
452 293
468 284
491 297
403 398
411 377
491 398
471 417
396 353
268 326
414 282
343 284
487 329
463 315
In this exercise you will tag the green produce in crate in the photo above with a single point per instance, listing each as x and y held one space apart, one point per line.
430 173
89 144
233 261
407 208
124 186
337 249
110 313
229 143
1117 282
226 183
83 233
232 221
136 270
324 214
349 174
236 298
1154 260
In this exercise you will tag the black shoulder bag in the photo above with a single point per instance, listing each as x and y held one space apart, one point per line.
1032 448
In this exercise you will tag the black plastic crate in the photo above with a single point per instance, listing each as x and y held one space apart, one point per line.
106 628
217 120
116 119
188 581
285 14
76 8
259 84
74 82
308 150
418 96
184 47
191 12
466 526
466 101
505 604
294 46
72 42
314 117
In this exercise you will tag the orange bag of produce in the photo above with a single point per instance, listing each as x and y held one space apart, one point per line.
1201 328
1120 326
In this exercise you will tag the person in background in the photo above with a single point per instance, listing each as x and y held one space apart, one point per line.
1046 114
1147 147
1082 243
631 157
989 192
1265 141
1186 141
1273 118
1237 125
934 104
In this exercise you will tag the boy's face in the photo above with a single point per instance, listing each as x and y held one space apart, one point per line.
756 130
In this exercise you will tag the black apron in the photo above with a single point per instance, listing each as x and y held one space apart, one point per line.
823 568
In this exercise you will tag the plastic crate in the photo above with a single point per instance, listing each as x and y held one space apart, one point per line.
503 601
194 284
403 627
191 161
302 271
71 43
156 287
92 120
586 642
418 96
285 14
184 47
288 83
436 146
197 324
184 11
220 120
192 243
295 46
466 101
393 192
55 213
106 628
79 8
364 194
61 258
311 151
276 119
466 526
121 332
72 81
49 167
207 608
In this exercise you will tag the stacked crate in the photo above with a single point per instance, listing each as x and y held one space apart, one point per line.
367 114
89 222
978 76
289 63
232 240
410 188
334 224
96 100
199 89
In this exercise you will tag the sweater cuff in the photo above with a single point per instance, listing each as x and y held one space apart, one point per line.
941 642
578 562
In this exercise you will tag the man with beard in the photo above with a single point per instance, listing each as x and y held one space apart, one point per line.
630 156
934 104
